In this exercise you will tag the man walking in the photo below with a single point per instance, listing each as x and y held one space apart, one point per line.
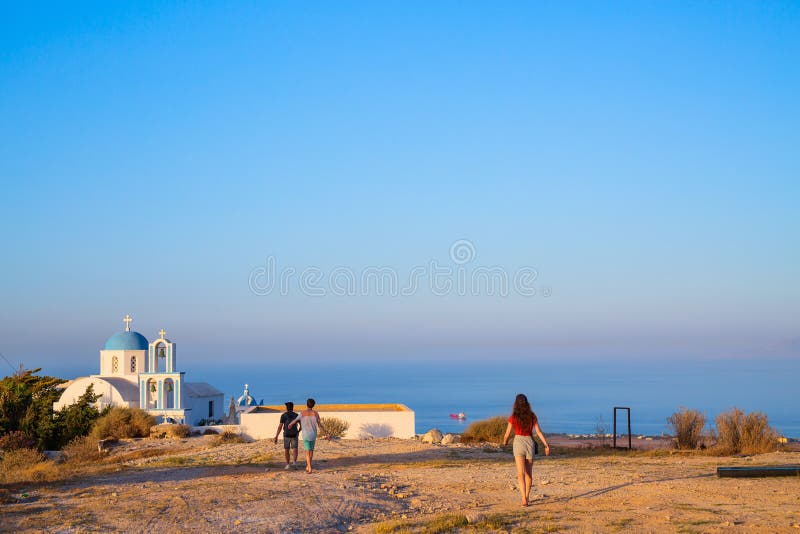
290 434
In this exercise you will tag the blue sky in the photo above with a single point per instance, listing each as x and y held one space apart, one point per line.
641 156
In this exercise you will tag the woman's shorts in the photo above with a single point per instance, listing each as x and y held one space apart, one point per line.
523 446
309 445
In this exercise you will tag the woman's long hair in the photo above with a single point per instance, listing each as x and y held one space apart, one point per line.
522 411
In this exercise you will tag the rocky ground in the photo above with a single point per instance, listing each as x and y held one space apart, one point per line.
388 485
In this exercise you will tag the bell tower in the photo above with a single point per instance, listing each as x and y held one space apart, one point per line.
161 354
161 386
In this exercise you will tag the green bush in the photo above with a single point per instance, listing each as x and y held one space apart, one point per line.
78 418
490 430
336 427
750 433
687 425
26 405
123 422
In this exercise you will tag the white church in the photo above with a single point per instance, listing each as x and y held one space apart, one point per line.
145 375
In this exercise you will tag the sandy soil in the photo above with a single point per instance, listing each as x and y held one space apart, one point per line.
390 485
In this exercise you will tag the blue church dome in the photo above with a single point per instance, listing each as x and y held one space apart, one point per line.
127 341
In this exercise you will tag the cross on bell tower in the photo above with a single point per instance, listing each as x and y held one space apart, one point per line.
127 320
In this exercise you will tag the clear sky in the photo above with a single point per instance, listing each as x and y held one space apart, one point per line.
643 157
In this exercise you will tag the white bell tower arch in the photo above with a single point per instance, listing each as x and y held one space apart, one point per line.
161 386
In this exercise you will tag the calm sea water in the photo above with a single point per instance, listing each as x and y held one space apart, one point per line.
568 396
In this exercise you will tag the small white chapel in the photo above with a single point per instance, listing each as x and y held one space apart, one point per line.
142 374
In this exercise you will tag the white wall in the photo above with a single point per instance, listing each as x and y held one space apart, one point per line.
124 357
109 394
363 423
197 408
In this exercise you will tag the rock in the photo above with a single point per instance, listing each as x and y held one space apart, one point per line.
416 503
450 439
432 436
474 517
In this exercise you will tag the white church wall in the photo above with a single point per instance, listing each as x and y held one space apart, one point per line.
198 408
110 395
123 363
366 420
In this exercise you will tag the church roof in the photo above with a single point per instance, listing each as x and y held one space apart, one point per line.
200 389
127 341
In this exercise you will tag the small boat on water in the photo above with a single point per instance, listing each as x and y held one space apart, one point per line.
460 416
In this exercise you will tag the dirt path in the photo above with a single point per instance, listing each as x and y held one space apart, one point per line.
384 484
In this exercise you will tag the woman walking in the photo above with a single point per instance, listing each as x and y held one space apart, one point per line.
523 421
309 425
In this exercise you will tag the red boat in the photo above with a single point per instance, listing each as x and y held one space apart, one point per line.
460 416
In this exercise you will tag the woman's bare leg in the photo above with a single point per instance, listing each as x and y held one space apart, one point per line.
520 461
309 456
528 479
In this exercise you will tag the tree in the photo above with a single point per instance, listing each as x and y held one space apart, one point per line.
23 395
76 419
26 405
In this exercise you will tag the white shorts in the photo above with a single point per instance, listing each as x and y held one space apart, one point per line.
523 446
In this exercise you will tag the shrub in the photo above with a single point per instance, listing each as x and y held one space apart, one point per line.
209 431
12 441
123 422
601 429
228 436
26 404
170 430
81 450
491 430
179 431
78 418
17 459
26 465
750 433
336 427
687 425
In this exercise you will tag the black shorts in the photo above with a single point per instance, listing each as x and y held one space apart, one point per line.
289 443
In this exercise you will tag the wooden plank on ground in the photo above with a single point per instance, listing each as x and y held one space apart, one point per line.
759 471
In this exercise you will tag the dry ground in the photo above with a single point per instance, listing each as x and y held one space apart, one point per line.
399 486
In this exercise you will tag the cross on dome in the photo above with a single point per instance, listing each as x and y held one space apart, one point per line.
127 320
162 333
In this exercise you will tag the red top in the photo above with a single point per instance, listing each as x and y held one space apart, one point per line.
518 429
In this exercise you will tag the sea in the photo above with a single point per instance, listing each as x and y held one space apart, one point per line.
568 396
